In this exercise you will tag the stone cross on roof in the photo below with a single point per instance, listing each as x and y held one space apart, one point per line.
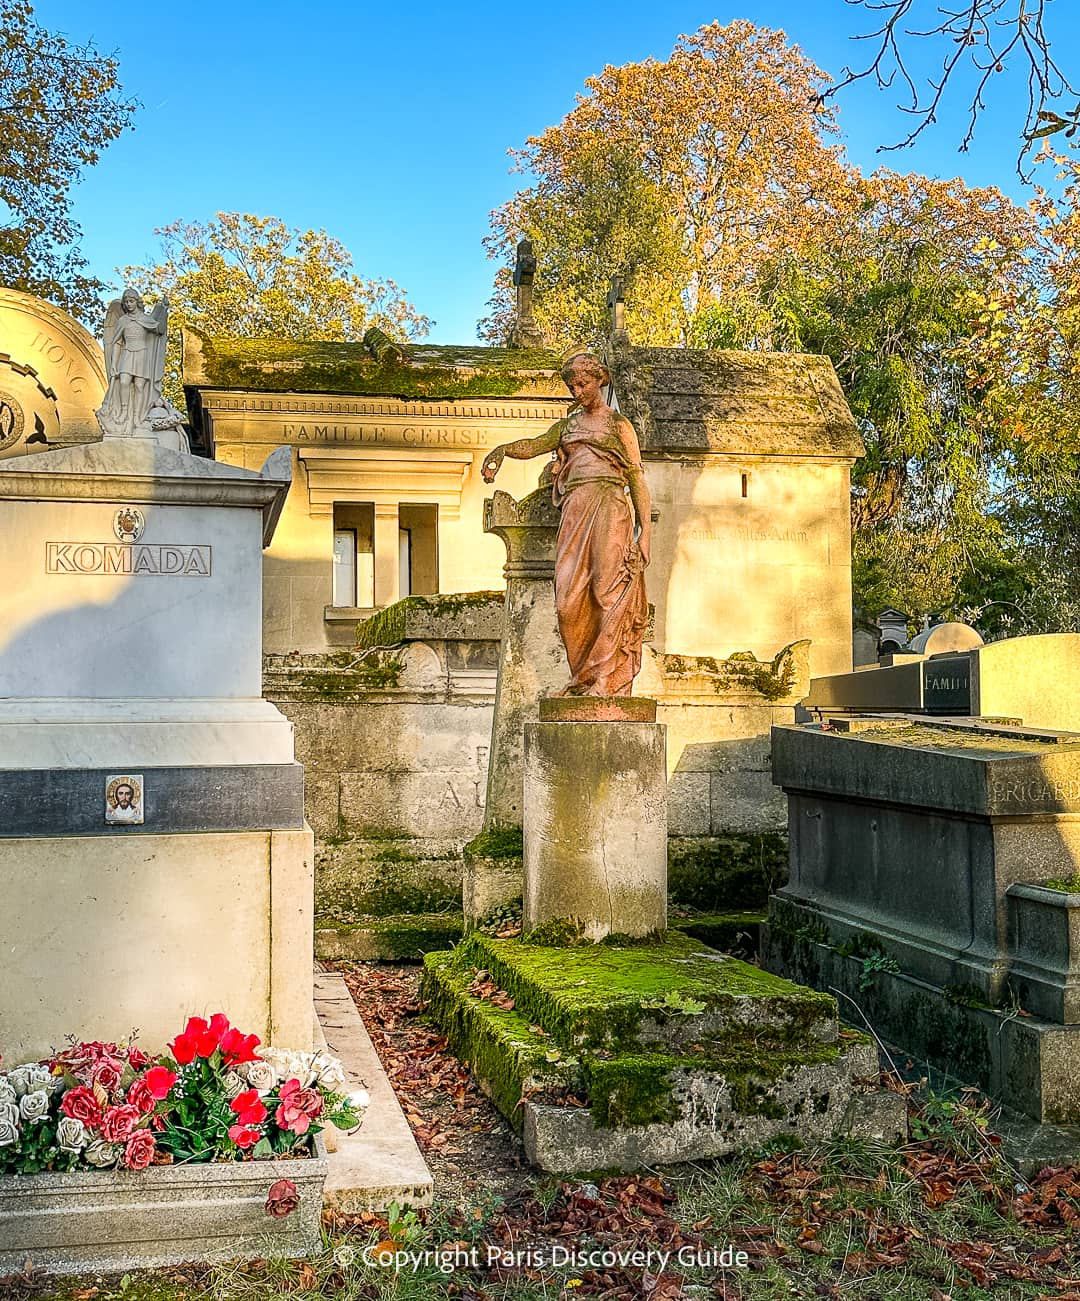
525 332
616 305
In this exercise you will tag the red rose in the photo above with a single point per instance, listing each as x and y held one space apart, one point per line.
137 1059
200 1038
80 1104
244 1137
139 1150
139 1095
237 1047
159 1080
107 1071
183 1049
249 1107
282 1199
118 1123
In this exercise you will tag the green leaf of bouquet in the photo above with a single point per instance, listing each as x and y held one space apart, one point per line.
263 1148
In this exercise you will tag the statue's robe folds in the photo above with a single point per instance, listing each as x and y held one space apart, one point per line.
599 574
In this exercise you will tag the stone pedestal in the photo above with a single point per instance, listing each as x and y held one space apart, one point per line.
531 661
596 822
152 828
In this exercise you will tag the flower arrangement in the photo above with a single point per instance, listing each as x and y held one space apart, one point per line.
215 1097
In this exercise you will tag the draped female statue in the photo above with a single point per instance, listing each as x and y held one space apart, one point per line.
605 532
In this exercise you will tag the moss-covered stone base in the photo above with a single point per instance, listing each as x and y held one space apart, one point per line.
680 1047
356 878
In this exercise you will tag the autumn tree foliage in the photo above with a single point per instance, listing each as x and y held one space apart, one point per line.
244 276
714 184
60 104
683 176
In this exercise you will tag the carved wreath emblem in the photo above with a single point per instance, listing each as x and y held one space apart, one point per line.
11 420
128 524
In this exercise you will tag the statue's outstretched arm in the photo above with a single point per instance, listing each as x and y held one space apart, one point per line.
523 449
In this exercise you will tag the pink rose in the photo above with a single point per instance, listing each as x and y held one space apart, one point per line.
140 1095
139 1150
137 1059
107 1072
282 1199
118 1123
80 1104
297 1107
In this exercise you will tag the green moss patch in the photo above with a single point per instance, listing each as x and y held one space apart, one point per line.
725 872
497 842
408 371
516 1053
501 1047
608 996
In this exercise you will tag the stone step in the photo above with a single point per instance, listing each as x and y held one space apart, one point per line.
509 1055
602 1108
673 992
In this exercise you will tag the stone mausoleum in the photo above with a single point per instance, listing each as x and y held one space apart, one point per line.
748 458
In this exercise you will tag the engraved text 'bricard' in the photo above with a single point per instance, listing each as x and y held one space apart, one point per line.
127 558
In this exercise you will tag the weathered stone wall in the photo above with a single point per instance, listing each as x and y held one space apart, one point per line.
384 762
409 760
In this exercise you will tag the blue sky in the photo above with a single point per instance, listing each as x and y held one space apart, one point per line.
388 124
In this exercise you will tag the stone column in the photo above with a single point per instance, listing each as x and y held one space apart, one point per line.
386 544
595 824
531 661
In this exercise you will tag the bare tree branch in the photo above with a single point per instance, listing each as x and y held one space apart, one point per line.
986 36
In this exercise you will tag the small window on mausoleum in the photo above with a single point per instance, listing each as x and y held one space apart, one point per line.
419 548
354 555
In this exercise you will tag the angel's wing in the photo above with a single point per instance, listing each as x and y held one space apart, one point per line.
112 320
158 343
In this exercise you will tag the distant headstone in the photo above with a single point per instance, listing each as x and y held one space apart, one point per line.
525 333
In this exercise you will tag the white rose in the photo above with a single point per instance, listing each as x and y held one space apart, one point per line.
359 1100
7 1090
274 1058
9 1114
233 1085
39 1078
290 1064
261 1076
101 1155
9 1124
34 1106
70 1134
329 1072
18 1079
